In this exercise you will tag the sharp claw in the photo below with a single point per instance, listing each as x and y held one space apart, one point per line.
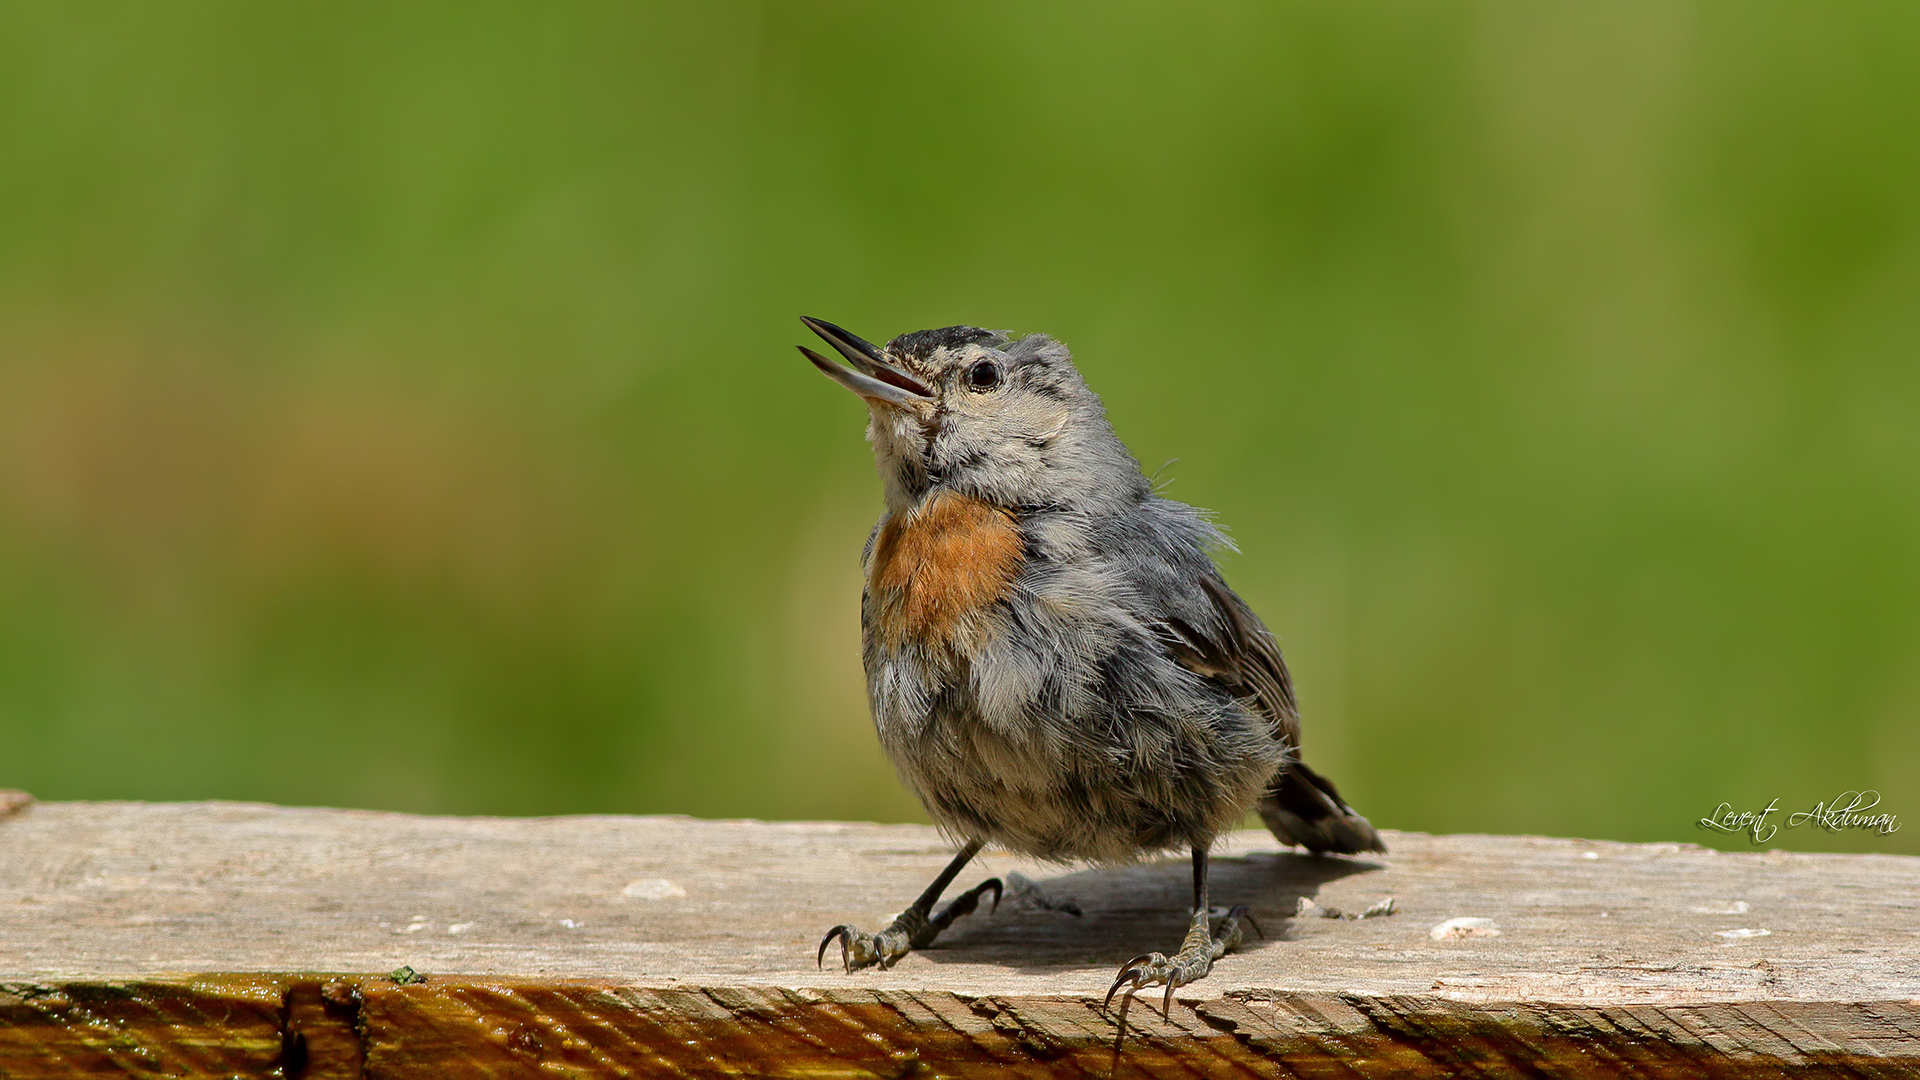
1129 972
1248 915
1166 1003
995 882
843 932
1242 911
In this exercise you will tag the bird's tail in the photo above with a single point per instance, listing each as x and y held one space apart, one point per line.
1304 808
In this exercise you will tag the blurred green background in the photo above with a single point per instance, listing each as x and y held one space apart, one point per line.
398 404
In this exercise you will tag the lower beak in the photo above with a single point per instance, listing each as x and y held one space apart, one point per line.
871 376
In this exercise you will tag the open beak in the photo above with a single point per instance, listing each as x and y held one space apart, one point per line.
871 376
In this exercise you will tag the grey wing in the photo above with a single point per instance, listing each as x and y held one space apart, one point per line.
1233 648
1237 651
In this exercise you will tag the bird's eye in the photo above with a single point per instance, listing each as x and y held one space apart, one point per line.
983 376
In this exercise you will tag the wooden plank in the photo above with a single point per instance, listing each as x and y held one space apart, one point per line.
187 1027
193 940
465 1026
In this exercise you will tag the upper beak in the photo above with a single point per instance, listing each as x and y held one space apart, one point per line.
875 379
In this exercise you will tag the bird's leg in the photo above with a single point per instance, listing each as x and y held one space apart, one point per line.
916 927
1195 958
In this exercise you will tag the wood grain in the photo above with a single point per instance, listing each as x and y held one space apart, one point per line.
231 939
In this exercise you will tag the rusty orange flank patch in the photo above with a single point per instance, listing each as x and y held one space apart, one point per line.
933 570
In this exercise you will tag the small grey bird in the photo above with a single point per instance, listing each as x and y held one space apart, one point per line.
1053 660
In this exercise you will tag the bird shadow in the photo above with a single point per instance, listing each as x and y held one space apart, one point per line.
1127 910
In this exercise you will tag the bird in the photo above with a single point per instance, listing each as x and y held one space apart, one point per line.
1055 664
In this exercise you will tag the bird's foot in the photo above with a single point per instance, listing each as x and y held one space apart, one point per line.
911 929
1192 963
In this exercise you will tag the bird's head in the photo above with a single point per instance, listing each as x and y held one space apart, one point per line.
983 413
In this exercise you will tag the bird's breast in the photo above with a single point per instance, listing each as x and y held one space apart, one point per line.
936 570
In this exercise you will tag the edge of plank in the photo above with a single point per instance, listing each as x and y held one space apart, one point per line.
352 1026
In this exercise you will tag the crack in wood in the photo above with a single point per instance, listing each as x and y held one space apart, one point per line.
322 1036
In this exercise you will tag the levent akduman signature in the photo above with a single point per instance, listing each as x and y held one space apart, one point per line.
1847 811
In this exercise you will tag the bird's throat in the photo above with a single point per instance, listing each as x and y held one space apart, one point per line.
938 568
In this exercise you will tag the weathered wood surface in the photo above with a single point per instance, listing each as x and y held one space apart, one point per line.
228 939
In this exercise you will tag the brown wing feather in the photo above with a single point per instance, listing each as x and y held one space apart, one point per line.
1240 655
1302 807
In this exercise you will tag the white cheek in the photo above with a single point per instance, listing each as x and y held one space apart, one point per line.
893 434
